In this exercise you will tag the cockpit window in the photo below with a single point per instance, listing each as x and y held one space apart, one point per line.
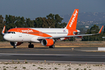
11 32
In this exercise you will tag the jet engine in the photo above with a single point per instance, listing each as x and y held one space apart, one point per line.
16 43
47 42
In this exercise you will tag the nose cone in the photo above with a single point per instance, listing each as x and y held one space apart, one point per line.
6 37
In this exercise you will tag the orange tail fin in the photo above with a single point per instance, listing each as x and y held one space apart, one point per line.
73 20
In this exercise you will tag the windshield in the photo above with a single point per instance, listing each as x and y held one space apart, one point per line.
11 32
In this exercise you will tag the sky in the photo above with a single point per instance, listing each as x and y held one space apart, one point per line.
41 8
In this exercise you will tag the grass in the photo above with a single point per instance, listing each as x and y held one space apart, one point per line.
33 65
4 69
59 64
85 69
25 62
77 69
24 67
79 64
69 68
15 67
38 68
56 68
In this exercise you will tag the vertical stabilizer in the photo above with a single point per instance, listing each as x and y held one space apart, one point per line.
73 20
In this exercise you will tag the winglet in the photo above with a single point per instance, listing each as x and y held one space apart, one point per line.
100 29
3 30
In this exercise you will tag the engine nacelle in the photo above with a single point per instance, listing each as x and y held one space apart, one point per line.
47 42
16 43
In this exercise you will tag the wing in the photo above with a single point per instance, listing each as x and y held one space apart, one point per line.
80 35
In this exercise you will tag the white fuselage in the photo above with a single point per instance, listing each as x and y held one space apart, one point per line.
25 37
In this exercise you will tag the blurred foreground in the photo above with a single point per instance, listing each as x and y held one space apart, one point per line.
49 66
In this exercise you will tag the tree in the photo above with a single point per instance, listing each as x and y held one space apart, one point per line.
51 20
9 21
20 22
44 23
72 39
58 20
2 23
62 25
54 20
94 29
38 22
29 23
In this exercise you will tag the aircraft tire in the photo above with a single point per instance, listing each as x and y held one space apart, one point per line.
53 46
30 46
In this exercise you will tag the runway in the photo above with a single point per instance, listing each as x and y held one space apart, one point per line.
56 54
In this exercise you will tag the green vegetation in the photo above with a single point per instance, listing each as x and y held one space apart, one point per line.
4 69
15 67
26 62
85 69
58 64
69 68
77 69
56 68
33 65
24 67
79 64
93 30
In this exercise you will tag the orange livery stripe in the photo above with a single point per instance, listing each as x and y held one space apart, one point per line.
29 31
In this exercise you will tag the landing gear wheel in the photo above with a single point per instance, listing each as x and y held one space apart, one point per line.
30 46
52 46
14 46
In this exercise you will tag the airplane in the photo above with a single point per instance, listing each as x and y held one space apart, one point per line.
45 36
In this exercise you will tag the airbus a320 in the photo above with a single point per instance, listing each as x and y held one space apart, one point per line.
45 36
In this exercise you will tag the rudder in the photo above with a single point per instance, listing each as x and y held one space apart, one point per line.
73 20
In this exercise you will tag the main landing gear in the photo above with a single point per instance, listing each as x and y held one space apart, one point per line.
30 46
52 46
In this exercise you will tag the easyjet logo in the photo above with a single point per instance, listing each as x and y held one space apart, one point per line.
27 30
73 19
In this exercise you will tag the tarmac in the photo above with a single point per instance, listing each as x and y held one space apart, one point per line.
64 54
